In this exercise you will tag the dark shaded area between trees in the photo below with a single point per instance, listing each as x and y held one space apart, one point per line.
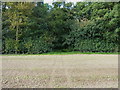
34 28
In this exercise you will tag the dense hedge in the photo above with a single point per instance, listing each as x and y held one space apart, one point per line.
84 27
95 46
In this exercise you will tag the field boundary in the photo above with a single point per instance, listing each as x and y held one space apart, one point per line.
65 53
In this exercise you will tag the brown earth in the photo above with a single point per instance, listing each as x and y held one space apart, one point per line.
60 71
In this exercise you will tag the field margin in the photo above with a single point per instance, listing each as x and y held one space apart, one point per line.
63 53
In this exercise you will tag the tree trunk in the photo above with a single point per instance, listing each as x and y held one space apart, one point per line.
16 40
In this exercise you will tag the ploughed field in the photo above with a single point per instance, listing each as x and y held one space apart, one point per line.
60 71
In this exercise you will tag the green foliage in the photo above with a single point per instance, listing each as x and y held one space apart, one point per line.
95 46
34 28
40 46
9 46
16 17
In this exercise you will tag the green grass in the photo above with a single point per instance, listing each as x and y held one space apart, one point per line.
67 53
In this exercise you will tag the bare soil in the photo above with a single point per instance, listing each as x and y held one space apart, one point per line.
60 71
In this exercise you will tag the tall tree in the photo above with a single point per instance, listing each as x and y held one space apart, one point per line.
17 16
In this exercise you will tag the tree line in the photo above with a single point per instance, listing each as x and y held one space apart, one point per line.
34 28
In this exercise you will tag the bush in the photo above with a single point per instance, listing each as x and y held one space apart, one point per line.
10 46
95 46
38 45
